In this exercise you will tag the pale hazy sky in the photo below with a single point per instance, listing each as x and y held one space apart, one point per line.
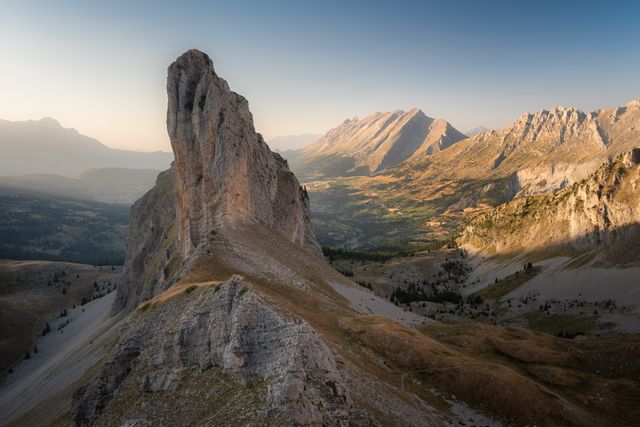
100 67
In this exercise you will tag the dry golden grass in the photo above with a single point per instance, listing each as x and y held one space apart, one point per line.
518 376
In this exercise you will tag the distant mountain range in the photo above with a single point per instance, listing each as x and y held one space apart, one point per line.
540 152
432 193
476 130
375 143
292 142
45 147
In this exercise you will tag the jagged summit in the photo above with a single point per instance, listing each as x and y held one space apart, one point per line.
379 141
224 180
544 145
227 175
634 103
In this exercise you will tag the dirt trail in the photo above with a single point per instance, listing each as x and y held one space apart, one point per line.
63 357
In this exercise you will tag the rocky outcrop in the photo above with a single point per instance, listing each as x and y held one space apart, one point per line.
548 178
377 142
600 213
177 356
227 176
153 255
209 352
224 178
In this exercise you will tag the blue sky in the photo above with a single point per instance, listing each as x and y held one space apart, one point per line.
306 66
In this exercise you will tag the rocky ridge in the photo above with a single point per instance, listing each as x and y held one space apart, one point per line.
274 367
543 151
224 180
598 213
376 142
224 177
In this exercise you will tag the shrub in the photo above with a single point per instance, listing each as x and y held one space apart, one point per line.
345 272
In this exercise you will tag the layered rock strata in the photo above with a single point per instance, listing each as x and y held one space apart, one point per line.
227 176
601 212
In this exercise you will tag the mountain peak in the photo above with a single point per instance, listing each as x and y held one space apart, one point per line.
228 178
634 103
376 142
415 111
49 121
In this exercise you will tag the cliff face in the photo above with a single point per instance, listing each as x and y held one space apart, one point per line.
224 178
153 255
226 174
601 213
218 354
215 342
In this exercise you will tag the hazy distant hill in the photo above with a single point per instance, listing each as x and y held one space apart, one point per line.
111 185
292 142
377 142
45 147
475 131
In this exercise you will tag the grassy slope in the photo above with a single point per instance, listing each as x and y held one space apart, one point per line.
519 376
383 209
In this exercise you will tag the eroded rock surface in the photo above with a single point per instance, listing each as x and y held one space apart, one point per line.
275 364
601 212
221 353
153 256
227 175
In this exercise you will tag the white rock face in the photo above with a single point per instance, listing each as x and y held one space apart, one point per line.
227 176
552 177
287 374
